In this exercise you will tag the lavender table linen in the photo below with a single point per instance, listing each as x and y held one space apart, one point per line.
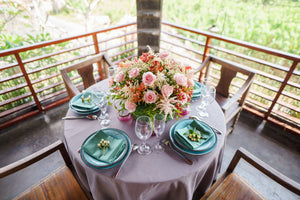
161 175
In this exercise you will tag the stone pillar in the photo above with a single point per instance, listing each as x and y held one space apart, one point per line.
149 13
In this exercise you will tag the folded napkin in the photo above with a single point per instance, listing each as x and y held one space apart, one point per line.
108 155
197 88
181 135
84 105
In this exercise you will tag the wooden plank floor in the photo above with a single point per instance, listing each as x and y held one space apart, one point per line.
276 147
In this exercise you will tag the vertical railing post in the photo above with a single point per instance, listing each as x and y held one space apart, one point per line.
286 79
97 50
205 54
22 67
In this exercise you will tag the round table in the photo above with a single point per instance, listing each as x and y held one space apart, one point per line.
160 175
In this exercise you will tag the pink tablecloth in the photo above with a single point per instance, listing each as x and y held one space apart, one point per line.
156 176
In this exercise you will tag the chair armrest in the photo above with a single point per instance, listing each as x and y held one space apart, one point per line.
69 83
203 64
228 103
35 157
264 168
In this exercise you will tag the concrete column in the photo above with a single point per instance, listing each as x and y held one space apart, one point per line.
148 24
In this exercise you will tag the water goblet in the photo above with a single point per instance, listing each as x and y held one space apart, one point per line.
104 116
143 131
207 97
159 124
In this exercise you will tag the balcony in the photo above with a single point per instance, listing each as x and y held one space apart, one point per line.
31 82
33 93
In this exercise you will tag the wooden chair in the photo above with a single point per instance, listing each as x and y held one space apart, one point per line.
60 184
231 186
231 104
85 70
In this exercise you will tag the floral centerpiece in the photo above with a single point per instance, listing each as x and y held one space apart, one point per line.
151 84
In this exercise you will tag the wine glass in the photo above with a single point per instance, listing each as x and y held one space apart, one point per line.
99 99
104 117
159 124
143 131
207 97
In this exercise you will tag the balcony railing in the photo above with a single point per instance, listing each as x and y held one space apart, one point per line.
31 82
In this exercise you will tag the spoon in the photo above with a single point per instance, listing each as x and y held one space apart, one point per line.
133 148
81 117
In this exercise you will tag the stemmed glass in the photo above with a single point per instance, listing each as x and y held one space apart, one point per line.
111 70
143 131
208 95
159 124
99 99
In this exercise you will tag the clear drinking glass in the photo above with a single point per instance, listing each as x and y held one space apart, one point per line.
111 70
143 131
104 116
99 99
159 124
207 97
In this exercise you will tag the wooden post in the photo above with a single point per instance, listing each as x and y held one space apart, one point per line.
205 54
22 67
148 24
97 51
287 78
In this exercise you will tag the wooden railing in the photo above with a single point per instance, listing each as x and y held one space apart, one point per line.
30 77
274 95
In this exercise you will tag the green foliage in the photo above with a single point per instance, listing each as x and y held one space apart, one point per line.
271 23
8 10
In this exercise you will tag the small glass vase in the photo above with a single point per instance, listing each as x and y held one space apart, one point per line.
124 115
185 111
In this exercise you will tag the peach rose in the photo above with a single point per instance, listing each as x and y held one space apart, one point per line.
111 81
130 106
134 72
148 78
119 77
191 83
150 97
167 90
180 79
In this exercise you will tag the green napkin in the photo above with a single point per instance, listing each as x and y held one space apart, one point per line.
181 135
115 148
84 105
197 89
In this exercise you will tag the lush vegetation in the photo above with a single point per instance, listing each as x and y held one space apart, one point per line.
270 23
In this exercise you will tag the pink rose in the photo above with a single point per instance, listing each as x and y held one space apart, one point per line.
163 55
180 79
119 77
111 82
130 106
134 72
167 90
150 97
148 78
191 83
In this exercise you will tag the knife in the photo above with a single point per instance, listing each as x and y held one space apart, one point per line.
133 148
166 142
